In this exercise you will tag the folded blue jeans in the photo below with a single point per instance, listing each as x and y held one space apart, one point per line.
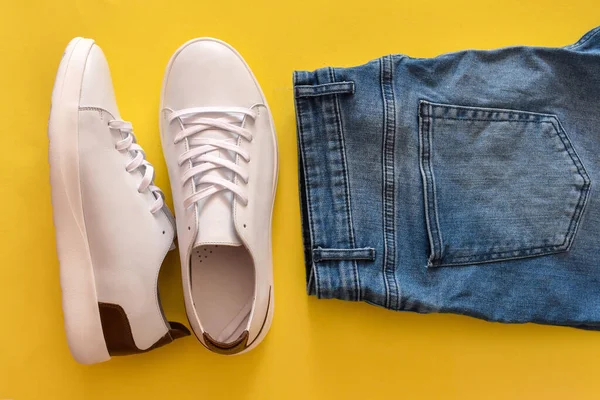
464 183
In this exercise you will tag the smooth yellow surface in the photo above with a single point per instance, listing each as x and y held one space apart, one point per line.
316 349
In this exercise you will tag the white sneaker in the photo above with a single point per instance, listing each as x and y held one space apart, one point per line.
219 142
112 227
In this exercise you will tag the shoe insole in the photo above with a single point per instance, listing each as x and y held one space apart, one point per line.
222 289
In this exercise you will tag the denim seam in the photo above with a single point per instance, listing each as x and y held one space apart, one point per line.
502 255
461 262
536 250
491 120
429 111
389 215
300 124
586 38
534 247
346 179
384 227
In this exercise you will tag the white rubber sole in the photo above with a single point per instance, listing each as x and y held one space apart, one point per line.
269 319
79 300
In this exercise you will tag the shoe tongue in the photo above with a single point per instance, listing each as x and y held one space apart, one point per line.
215 221
215 213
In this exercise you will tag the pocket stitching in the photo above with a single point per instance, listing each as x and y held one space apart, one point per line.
437 254
433 227
584 192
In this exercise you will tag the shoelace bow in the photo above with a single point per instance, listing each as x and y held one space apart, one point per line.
128 143
194 122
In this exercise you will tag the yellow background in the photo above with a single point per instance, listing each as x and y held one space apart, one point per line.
316 349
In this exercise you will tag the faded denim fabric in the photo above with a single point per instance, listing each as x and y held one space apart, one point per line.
464 183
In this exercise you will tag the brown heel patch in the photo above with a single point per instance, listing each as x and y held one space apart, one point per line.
226 348
118 336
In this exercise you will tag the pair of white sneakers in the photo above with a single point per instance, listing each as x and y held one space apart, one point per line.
113 229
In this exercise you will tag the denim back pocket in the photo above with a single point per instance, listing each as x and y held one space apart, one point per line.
498 184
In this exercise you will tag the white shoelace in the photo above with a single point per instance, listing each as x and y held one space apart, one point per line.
194 122
138 162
